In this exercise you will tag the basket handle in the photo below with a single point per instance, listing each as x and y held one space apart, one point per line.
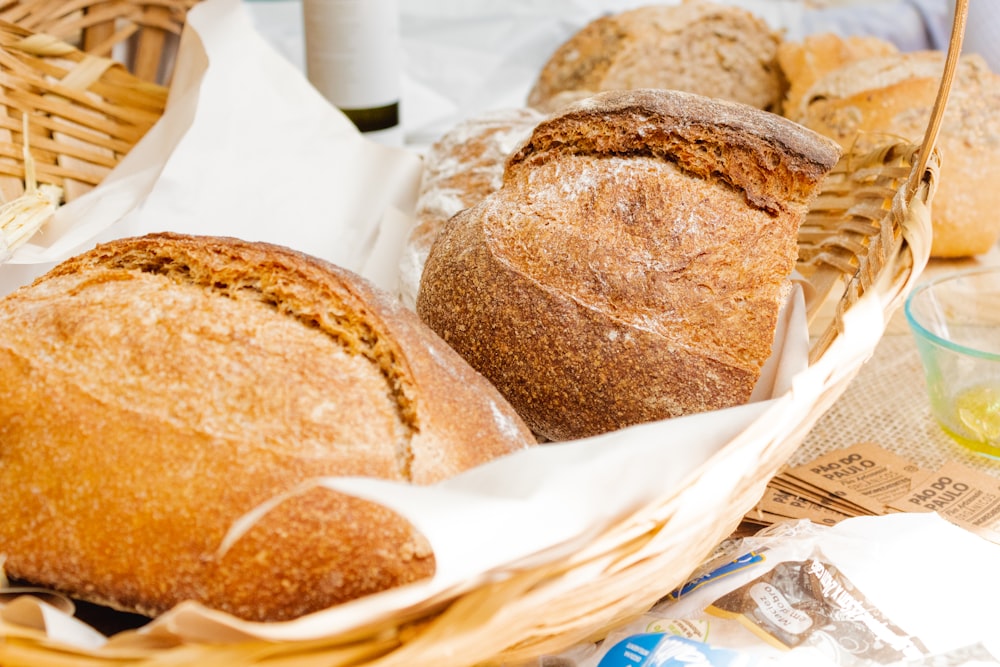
937 113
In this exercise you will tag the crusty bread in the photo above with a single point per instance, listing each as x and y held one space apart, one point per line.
632 265
871 101
804 62
155 389
697 46
463 166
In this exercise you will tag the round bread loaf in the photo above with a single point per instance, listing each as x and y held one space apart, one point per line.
871 101
700 47
156 389
632 265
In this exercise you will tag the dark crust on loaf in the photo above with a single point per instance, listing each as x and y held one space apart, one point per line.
124 491
773 160
618 276
460 169
570 369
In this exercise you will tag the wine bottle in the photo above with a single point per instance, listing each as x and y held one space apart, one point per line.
353 60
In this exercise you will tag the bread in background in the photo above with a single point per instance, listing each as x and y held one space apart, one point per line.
632 265
463 166
696 46
805 62
154 390
889 98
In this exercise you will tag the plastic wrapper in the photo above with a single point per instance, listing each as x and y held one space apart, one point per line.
870 591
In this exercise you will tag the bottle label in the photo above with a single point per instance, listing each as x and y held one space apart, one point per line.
353 52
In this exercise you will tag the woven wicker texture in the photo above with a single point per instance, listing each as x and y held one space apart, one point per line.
142 35
864 247
84 112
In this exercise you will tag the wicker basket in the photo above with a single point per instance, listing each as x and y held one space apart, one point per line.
862 249
141 35
85 112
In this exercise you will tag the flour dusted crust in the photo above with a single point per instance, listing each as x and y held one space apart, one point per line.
155 389
872 101
632 264
460 169
696 46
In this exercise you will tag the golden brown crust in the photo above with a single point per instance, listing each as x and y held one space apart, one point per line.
580 63
872 101
700 47
620 275
154 390
805 62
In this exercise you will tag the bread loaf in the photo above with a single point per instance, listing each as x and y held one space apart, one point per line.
632 265
806 61
869 102
155 389
697 46
463 166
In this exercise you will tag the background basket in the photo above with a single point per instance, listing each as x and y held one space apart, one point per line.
863 247
84 111
141 35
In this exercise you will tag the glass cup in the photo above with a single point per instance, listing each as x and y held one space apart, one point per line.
955 320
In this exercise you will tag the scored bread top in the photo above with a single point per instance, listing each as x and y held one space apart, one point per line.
328 300
807 61
773 160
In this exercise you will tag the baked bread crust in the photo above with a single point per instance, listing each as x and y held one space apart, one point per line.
155 389
696 46
871 101
805 62
633 263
